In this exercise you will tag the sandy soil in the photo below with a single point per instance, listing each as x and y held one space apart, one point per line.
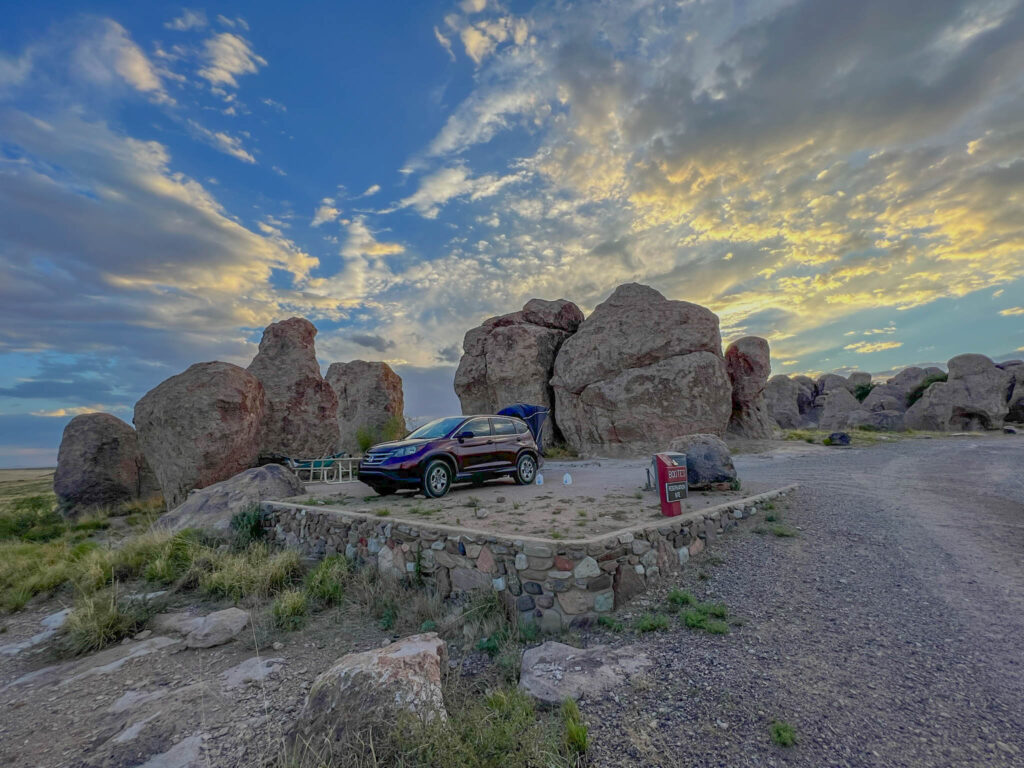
605 495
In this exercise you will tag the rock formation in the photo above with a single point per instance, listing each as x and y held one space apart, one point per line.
708 460
301 406
552 672
640 371
212 508
370 398
973 397
372 689
510 359
782 399
1015 398
837 405
99 463
748 363
200 427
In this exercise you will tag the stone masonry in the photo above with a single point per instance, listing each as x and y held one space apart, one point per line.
556 584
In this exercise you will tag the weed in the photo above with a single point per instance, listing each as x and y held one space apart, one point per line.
247 526
610 623
679 598
780 530
382 512
575 729
557 451
734 485
255 572
289 610
651 622
556 535
716 627
783 734
100 619
708 617
638 494
326 582
694 619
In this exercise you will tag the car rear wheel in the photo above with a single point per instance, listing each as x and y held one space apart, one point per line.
437 479
526 469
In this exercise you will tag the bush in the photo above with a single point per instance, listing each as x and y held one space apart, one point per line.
679 598
575 729
917 392
252 573
652 622
289 610
861 391
326 582
32 518
247 526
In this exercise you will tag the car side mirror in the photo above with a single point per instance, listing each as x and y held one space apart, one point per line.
465 434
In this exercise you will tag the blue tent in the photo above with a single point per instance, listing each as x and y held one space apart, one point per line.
533 415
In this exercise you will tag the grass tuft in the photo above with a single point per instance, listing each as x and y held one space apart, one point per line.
651 622
783 734
326 582
289 610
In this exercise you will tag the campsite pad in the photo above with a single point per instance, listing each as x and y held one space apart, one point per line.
606 495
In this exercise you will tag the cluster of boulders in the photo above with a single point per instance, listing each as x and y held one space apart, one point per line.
216 420
638 372
975 393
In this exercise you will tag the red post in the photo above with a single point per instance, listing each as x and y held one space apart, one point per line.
672 483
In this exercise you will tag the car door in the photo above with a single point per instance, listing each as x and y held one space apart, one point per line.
506 444
476 452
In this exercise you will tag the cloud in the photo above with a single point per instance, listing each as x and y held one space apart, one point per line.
371 190
228 56
361 241
107 52
188 20
74 411
1012 311
445 42
229 145
325 212
865 348
449 354
441 186
373 341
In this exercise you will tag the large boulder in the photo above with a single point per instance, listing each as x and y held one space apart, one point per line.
640 371
372 689
748 364
1015 397
370 402
301 407
973 397
100 464
510 359
879 421
886 397
858 379
782 398
212 508
838 405
553 672
200 427
708 460
830 382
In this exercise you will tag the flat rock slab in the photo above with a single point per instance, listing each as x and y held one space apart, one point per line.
203 631
252 670
553 672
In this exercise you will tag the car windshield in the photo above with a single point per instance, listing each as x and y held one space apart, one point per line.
436 428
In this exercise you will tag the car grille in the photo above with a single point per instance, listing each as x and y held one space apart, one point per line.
373 459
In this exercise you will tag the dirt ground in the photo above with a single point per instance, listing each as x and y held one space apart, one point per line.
605 495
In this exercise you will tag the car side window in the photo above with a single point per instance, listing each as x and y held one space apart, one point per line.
521 427
503 427
479 427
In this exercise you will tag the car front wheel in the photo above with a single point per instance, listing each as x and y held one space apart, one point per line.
437 479
526 469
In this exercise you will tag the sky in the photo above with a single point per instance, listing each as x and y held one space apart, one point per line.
844 179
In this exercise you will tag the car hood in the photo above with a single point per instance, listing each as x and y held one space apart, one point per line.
397 444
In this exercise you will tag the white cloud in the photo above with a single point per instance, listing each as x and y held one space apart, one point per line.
229 145
473 6
110 54
441 186
188 20
371 190
445 42
325 212
361 242
228 56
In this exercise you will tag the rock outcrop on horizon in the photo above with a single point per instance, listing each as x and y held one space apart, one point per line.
976 394
100 464
370 398
640 371
510 359
200 427
301 417
748 364
973 397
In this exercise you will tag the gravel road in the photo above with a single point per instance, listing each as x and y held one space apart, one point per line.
890 632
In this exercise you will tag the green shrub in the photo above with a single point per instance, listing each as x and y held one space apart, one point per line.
783 734
32 518
917 392
679 598
861 391
326 582
716 627
652 622
610 623
289 610
247 527
694 619
252 573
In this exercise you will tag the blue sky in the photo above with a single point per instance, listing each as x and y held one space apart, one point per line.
843 179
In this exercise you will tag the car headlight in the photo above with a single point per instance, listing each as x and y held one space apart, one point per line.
408 450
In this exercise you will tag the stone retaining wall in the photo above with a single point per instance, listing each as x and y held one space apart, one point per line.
554 583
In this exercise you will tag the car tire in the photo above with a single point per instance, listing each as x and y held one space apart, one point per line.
437 479
526 469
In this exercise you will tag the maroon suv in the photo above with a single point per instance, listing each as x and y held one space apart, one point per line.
453 450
